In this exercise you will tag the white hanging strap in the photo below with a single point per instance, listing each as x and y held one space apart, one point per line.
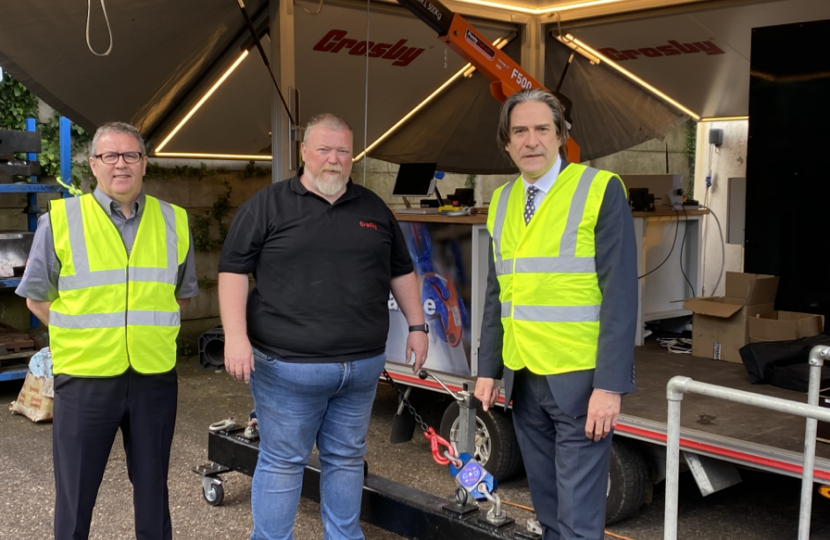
366 96
109 30
319 9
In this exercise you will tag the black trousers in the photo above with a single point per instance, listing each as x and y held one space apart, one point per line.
87 415
566 471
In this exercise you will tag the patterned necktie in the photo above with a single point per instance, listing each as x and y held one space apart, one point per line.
530 206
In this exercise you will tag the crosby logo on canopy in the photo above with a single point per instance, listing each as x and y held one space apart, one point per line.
336 40
674 48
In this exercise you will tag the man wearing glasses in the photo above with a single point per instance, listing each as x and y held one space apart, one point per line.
109 273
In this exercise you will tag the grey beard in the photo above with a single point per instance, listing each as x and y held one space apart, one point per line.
329 186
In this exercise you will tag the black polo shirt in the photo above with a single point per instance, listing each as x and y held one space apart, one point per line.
322 271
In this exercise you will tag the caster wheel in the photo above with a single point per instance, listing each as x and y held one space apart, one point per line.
215 495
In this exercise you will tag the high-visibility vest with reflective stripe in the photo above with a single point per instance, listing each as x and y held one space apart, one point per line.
112 311
550 296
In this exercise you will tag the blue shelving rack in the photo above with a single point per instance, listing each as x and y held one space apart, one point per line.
31 189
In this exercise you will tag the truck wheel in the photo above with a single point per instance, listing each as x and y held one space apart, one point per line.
496 447
627 481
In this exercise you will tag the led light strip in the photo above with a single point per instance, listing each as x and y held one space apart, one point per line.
466 71
537 11
569 41
724 118
255 157
569 38
196 107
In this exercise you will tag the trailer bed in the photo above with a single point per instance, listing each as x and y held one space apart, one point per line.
735 432
741 434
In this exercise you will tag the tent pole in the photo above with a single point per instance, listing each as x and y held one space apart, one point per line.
284 150
533 48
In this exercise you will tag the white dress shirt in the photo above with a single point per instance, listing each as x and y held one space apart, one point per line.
545 183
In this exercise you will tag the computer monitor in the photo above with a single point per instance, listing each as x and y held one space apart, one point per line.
415 180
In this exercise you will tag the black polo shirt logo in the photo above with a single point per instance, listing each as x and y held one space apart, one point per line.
368 224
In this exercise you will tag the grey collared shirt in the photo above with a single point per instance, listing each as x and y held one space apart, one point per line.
40 280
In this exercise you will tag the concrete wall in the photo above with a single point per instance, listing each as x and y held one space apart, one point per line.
197 196
728 161
379 176
652 157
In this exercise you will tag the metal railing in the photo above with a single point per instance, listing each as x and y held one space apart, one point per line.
811 411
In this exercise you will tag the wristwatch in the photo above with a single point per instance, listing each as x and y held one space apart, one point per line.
420 328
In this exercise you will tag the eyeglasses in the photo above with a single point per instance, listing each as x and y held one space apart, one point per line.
111 157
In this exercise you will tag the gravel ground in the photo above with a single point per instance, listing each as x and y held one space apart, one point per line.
762 507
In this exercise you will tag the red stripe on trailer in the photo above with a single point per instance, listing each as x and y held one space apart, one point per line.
717 450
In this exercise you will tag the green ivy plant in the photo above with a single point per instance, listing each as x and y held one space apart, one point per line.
183 349
206 283
691 154
154 170
201 225
49 156
252 170
17 104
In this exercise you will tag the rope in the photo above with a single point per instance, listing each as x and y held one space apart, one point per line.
676 345
75 192
366 98
531 509
621 537
109 30
319 9
517 505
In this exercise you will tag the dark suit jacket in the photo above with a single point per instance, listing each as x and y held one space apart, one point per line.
616 258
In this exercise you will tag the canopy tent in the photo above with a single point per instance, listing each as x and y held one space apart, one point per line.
698 55
160 51
610 113
167 56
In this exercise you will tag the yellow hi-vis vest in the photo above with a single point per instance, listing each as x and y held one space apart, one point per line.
550 296
112 311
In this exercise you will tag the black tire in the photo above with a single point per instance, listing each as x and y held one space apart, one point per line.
215 495
496 446
627 481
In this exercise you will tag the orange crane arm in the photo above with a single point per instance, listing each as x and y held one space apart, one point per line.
506 76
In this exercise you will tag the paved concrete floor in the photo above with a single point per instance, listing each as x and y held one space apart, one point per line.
763 507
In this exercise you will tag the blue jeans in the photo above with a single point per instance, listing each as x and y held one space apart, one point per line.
296 405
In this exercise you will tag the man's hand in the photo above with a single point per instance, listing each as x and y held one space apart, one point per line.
603 410
239 358
417 343
40 309
486 392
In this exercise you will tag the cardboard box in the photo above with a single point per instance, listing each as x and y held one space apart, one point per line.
720 325
784 326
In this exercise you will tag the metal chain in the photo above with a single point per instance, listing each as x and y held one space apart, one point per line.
406 402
